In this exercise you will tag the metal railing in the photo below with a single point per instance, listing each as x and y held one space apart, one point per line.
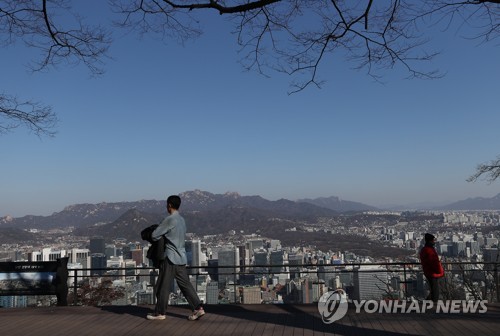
303 283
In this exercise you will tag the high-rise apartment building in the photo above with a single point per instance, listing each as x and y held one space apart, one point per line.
276 257
458 249
193 252
229 259
370 282
295 262
327 273
137 255
80 258
254 244
46 254
110 250
97 263
244 258
312 289
260 261
130 271
97 245
491 255
212 296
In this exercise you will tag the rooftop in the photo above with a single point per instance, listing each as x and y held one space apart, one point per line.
239 320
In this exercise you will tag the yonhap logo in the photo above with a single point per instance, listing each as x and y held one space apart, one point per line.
333 306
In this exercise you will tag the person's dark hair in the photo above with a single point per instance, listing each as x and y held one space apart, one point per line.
174 201
429 237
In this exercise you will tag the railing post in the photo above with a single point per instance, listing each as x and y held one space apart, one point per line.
196 279
405 282
496 282
75 286
484 294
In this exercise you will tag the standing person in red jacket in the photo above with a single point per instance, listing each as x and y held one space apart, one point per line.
433 270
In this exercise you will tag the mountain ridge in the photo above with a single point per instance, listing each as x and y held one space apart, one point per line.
337 204
82 215
475 203
87 214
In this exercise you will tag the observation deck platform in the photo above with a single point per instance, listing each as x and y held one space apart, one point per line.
240 320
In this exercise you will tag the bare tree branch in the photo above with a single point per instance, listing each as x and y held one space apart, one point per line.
37 117
491 171
294 37
33 23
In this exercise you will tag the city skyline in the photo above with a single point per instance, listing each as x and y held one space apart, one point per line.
165 119
257 255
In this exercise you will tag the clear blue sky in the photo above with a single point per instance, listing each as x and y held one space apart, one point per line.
167 118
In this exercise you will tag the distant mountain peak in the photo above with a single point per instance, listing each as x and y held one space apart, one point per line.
197 193
232 194
206 194
337 204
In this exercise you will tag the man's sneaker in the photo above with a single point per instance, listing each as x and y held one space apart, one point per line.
196 314
155 317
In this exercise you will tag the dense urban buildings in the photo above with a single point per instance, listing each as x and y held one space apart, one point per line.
252 268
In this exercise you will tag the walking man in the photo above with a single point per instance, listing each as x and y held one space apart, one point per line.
173 228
